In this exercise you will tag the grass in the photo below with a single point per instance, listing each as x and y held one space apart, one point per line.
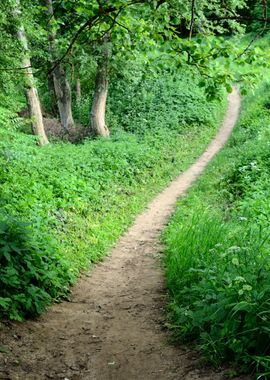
217 250
63 206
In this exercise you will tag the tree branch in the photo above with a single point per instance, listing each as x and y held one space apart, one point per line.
193 4
239 18
90 23
264 12
118 23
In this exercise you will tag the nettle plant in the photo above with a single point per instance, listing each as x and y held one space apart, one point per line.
32 273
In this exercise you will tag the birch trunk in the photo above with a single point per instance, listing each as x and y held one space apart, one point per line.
61 84
97 116
31 91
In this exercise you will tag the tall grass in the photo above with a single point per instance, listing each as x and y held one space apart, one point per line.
217 250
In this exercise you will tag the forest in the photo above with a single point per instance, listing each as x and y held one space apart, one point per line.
103 104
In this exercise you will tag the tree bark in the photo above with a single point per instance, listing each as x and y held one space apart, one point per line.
78 90
31 91
53 102
97 116
61 84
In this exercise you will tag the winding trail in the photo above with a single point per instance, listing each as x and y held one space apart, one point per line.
112 328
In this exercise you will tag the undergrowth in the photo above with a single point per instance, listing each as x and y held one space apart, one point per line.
62 206
217 250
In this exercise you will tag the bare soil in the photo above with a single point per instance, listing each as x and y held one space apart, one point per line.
54 129
113 327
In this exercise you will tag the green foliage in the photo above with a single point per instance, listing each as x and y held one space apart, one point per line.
217 257
140 28
10 79
78 199
151 100
32 271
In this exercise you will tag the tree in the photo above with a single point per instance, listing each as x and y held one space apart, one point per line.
30 88
182 31
152 23
61 84
97 115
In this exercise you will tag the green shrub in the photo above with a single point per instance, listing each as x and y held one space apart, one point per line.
32 272
171 100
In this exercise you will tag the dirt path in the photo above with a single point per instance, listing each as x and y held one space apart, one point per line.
112 328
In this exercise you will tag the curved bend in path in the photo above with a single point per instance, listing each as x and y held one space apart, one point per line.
111 330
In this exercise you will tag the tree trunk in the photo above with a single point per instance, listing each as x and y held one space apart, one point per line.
97 116
63 95
61 84
78 90
31 91
53 102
